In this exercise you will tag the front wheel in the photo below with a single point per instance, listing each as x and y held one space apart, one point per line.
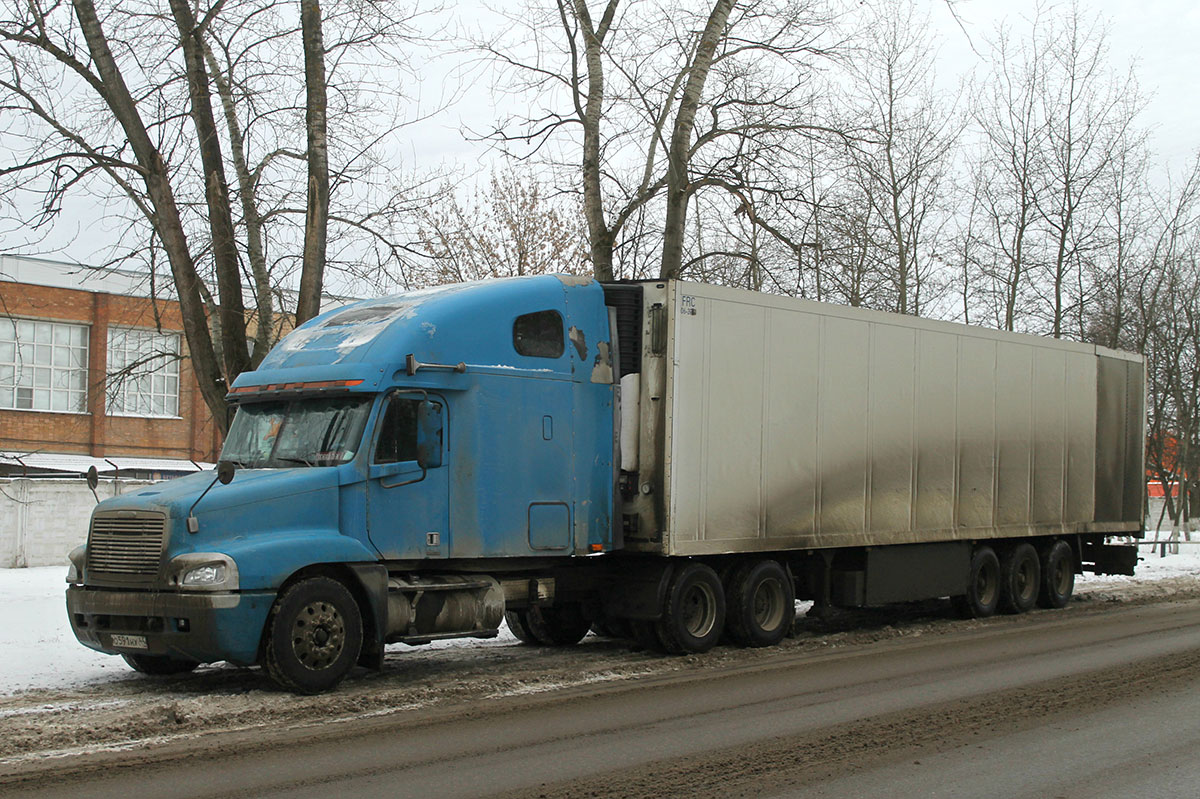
314 635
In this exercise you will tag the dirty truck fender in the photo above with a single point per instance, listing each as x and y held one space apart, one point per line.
266 562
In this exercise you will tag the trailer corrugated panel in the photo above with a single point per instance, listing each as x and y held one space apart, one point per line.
791 424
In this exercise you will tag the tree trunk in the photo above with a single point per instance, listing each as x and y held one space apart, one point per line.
220 221
679 155
167 224
316 223
599 236
255 250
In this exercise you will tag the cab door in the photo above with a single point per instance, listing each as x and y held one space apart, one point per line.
407 505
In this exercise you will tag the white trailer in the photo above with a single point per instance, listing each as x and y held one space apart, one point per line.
874 457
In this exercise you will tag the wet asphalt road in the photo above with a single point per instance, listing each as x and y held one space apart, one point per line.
1088 707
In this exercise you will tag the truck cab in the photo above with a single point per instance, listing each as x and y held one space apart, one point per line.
399 459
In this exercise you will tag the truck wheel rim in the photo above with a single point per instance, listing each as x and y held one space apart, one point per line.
768 605
318 635
699 610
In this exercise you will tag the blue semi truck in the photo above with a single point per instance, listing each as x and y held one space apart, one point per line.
669 462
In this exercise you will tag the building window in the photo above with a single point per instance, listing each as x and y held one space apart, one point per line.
43 366
143 372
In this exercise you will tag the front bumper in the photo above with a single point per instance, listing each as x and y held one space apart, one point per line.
204 627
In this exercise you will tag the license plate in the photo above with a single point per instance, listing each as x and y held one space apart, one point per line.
130 641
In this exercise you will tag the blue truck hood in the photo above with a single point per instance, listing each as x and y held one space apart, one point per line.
257 501
249 487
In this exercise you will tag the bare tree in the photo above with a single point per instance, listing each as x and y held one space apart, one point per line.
509 228
1087 113
1008 115
661 102
93 98
900 154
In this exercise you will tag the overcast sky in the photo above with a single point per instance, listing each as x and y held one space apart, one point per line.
1161 36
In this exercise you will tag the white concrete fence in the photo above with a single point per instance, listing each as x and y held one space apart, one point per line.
42 520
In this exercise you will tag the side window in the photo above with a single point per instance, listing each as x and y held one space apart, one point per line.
398 434
539 335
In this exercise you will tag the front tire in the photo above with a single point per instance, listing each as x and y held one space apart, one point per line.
314 636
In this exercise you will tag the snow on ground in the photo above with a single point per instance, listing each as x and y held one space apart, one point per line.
40 651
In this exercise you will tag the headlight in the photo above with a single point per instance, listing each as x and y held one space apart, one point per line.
75 570
204 571
206 575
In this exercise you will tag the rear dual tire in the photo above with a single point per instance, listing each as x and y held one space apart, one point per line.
694 612
761 604
555 625
983 586
1020 578
1058 575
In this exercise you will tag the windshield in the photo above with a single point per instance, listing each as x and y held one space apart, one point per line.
303 432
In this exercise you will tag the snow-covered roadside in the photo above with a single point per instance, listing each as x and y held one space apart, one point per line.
40 651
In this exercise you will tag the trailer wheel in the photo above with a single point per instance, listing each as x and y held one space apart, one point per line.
1020 578
314 635
761 604
694 616
558 625
983 586
159 664
518 625
1058 575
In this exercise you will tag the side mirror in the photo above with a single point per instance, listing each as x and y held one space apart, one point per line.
93 480
225 471
429 435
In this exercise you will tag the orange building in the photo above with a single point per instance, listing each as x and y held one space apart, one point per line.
94 371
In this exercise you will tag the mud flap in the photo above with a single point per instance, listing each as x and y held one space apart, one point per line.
372 586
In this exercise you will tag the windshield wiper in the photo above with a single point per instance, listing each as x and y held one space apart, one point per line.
305 461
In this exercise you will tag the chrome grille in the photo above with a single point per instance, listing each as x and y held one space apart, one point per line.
126 543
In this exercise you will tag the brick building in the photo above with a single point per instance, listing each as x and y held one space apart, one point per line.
93 371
